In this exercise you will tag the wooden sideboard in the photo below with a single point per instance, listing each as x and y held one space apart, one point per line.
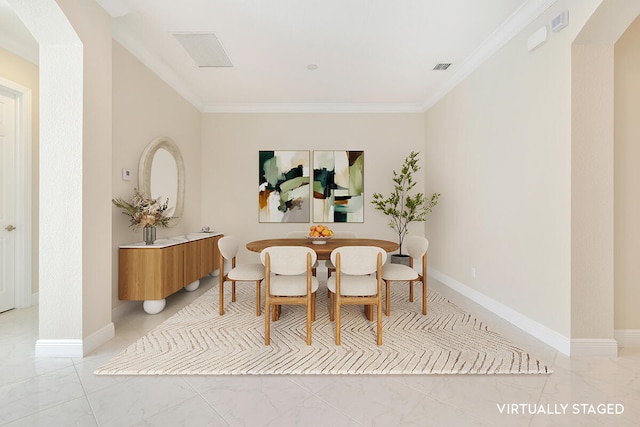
150 273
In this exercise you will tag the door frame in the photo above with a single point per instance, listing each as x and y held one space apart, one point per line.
24 191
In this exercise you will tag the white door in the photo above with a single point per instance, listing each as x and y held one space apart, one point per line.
7 201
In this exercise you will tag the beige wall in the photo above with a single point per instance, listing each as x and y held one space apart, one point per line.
627 179
93 26
592 191
500 153
25 73
230 163
592 170
144 108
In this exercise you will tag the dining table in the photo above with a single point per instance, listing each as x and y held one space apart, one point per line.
324 249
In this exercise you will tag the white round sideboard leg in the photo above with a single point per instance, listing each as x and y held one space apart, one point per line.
154 306
193 286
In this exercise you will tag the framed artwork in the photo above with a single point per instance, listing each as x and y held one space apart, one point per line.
338 186
284 186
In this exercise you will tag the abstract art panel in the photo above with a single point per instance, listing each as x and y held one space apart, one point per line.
283 192
338 186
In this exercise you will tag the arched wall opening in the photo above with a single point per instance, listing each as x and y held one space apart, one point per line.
74 174
592 178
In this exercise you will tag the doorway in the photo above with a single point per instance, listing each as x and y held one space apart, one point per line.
15 201
7 201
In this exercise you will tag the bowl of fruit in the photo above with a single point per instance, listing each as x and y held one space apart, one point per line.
319 234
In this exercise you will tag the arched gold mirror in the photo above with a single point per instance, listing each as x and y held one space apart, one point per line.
161 174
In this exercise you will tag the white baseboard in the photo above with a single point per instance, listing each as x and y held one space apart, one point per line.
586 347
74 347
627 337
124 309
59 348
98 338
528 325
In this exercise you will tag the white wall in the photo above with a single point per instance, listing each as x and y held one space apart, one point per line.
144 108
64 258
500 153
230 163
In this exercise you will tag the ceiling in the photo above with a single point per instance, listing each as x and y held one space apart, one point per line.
370 55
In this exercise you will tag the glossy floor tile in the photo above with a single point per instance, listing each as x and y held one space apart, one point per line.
64 391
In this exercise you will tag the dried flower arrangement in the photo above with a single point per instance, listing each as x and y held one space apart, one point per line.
144 212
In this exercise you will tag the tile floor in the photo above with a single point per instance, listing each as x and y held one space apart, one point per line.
64 391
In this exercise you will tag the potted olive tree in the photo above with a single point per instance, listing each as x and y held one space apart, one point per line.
400 205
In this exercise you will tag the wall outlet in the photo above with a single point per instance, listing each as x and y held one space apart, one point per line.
126 175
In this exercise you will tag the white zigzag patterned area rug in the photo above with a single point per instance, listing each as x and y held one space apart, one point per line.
198 341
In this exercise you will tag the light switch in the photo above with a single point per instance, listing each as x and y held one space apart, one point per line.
126 175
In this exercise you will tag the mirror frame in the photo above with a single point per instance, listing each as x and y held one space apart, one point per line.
144 172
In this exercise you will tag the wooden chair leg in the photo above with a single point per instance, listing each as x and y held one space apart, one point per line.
379 318
233 291
221 302
313 306
424 295
410 291
337 302
368 312
267 323
331 306
309 319
257 297
386 306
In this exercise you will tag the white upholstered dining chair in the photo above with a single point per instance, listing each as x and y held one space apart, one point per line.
417 247
338 235
288 280
302 235
357 280
228 247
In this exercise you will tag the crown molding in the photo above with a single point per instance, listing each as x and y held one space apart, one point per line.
313 108
500 37
120 34
115 8
508 30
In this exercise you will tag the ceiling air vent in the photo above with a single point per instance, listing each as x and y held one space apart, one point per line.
441 67
205 49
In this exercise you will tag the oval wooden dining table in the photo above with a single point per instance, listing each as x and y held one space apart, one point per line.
322 250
